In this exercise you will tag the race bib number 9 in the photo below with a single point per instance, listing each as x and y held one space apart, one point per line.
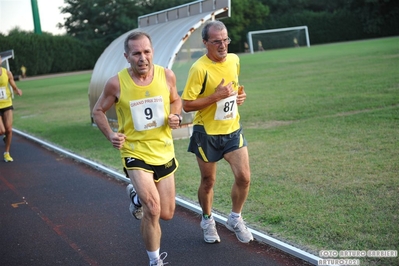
226 109
3 94
148 113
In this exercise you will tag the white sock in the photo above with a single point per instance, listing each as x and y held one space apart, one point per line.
153 255
235 215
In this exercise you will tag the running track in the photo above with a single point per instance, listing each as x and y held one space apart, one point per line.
57 211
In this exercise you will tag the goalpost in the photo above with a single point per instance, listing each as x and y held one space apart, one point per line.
278 38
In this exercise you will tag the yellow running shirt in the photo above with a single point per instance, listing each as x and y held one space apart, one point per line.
5 92
204 76
142 113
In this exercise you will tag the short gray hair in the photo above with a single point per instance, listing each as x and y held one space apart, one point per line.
215 23
135 35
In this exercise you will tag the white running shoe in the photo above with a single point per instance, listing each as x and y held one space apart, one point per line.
210 233
238 226
160 261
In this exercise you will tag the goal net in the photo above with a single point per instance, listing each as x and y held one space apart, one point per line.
278 38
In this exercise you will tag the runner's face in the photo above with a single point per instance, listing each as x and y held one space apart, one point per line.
217 52
140 55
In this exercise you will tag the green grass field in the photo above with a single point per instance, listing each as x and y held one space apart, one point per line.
322 124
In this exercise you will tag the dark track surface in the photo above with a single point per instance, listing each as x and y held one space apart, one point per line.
56 211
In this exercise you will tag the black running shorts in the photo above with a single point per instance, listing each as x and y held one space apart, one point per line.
2 110
212 148
159 171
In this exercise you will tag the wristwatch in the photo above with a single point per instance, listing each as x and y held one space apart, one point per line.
180 118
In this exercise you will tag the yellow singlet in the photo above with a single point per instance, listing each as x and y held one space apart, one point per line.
5 92
142 113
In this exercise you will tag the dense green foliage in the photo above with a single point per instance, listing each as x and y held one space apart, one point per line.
91 25
45 53
335 21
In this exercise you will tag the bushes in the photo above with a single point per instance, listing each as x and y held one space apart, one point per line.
324 27
45 53
336 21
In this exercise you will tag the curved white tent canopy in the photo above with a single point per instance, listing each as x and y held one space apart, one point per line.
169 30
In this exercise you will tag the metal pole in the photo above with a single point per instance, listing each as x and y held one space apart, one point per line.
36 17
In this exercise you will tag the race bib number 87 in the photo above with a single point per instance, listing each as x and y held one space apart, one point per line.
226 109
148 113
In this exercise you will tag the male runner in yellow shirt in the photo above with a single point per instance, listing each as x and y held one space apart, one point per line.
213 91
148 107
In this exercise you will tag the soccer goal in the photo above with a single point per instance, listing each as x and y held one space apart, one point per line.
278 38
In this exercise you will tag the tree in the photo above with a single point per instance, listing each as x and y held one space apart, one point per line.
376 15
101 20
246 15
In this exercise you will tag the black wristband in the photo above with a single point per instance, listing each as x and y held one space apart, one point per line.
180 118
